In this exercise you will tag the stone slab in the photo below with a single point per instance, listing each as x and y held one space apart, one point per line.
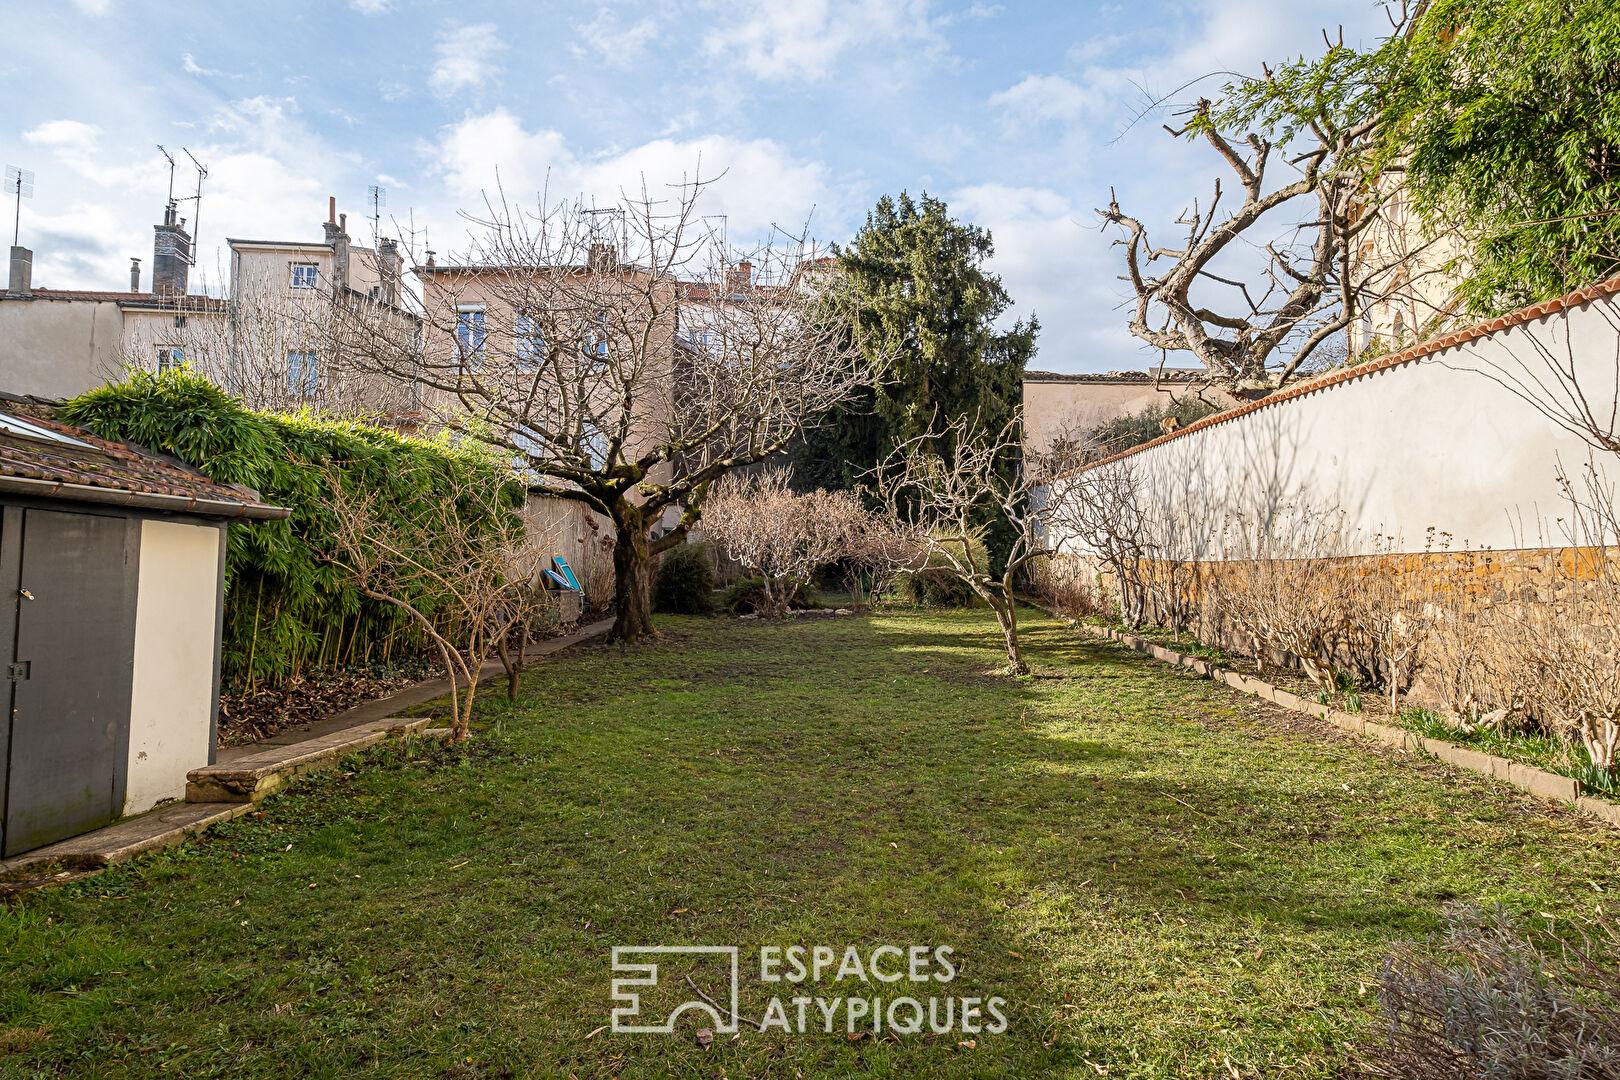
253 776
120 842
1544 784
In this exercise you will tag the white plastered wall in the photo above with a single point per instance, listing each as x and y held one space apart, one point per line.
172 701
1437 443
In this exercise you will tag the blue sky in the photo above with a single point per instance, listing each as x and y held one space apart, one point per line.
1013 112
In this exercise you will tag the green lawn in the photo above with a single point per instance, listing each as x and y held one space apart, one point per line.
1160 876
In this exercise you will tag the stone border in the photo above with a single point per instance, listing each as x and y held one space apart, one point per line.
1537 782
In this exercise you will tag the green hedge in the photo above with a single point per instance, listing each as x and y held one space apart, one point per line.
288 610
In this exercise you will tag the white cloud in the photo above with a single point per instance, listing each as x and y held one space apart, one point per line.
466 58
70 135
371 7
764 184
1054 266
808 39
93 7
607 37
1043 98
189 65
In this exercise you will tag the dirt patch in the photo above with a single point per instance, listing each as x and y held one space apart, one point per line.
267 710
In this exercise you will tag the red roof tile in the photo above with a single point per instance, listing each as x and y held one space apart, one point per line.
99 465
193 302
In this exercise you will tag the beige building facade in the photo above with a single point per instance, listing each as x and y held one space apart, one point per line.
1068 408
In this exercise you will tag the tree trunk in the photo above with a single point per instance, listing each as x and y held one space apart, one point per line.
632 580
1007 615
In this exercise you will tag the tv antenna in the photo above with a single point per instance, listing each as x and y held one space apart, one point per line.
170 215
615 226
379 199
196 214
20 184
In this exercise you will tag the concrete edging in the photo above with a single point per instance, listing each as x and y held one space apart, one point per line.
1527 778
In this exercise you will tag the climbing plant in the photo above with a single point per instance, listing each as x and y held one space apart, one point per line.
289 608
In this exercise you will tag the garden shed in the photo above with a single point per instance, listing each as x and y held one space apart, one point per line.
112 576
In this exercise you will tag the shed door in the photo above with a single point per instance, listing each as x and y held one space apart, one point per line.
71 680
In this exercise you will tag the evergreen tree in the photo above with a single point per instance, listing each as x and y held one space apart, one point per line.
925 298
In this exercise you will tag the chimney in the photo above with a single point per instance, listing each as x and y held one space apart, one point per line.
22 272
430 257
390 267
171 255
134 275
603 259
337 235
740 278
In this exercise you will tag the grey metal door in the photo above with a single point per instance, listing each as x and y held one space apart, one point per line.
70 678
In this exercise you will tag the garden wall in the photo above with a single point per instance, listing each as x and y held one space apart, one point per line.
1424 485
1433 438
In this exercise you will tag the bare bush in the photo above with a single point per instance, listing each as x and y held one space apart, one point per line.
1287 589
1068 586
1568 652
1100 509
783 536
468 555
1388 619
1494 999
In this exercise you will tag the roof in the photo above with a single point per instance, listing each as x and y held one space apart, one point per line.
234 241
53 460
1168 375
190 302
1601 290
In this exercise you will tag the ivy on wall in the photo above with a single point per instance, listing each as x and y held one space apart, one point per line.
288 608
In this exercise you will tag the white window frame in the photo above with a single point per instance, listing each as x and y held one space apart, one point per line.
313 274
305 381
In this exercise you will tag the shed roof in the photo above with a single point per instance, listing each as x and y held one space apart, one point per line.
53 460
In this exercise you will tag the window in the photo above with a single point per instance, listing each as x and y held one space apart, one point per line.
596 342
170 358
531 346
470 336
303 373
303 275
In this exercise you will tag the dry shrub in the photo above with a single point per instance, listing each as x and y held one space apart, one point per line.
1388 623
1101 508
1494 999
781 536
1068 586
1286 588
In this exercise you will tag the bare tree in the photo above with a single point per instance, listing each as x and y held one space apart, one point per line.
936 491
282 353
627 362
1312 284
783 536
464 571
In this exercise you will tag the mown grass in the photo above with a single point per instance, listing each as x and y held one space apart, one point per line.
1163 878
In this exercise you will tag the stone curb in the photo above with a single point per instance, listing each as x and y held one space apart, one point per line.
1527 778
